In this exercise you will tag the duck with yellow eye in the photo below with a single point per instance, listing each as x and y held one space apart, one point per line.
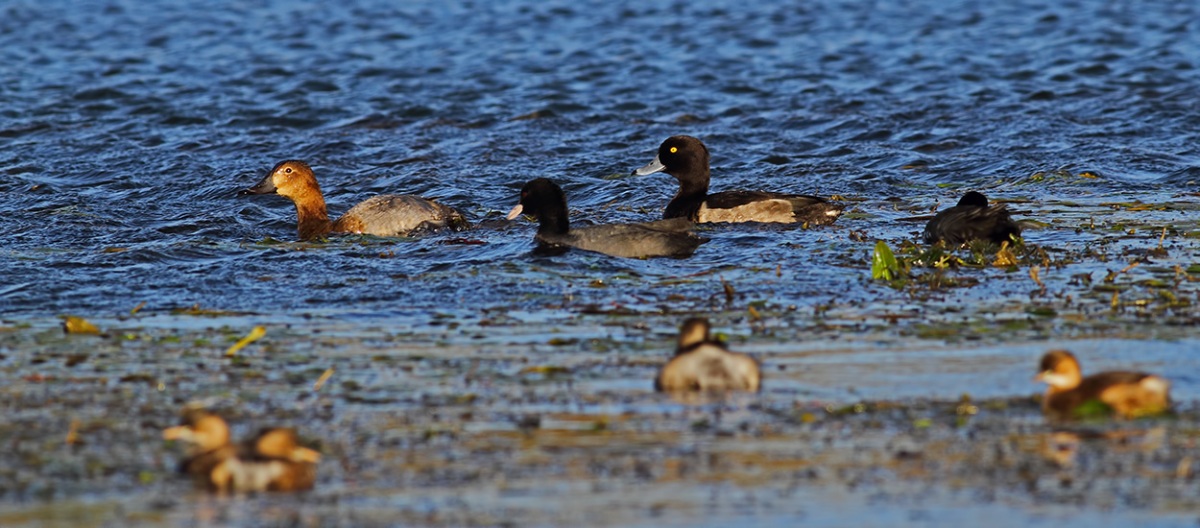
387 215
1125 394
704 365
686 158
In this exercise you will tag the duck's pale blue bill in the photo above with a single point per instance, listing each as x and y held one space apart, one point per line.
650 168
516 211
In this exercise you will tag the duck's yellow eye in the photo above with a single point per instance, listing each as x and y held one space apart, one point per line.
674 150
288 170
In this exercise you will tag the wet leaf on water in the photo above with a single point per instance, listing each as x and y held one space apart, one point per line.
545 369
883 263
1004 257
324 378
1183 470
137 378
137 308
79 325
73 433
922 423
561 341
146 477
255 334
1041 311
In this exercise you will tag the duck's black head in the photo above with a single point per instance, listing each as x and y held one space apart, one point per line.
544 200
683 157
973 199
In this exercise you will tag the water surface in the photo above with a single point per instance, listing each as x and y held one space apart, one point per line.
126 129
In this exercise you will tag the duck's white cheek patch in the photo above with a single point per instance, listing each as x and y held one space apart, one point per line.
1155 384
779 211
1056 380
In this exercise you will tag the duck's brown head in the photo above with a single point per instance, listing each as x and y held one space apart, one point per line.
201 428
1060 370
281 443
693 331
290 178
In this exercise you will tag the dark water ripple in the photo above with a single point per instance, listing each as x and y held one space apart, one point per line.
125 130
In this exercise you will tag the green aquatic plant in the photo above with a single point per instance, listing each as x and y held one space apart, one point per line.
1093 410
884 265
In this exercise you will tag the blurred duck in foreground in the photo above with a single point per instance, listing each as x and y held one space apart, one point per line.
686 158
386 215
544 200
210 445
971 219
272 461
1126 394
701 364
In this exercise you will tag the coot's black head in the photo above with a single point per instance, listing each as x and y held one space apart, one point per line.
973 199
683 157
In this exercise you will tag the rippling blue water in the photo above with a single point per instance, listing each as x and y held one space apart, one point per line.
127 126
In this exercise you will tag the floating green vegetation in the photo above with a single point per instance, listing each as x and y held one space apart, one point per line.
884 265
1060 175
1093 410
899 267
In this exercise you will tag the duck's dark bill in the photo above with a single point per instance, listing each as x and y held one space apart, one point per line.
516 211
650 168
266 186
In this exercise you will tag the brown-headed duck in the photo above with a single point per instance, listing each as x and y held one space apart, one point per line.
1126 394
544 200
686 158
971 219
386 215
272 461
701 364
208 437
